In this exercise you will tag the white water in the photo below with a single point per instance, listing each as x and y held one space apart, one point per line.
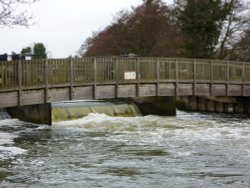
7 150
190 150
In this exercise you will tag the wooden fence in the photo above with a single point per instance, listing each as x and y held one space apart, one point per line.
105 70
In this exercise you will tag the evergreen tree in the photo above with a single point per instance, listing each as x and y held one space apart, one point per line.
39 51
26 50
201 24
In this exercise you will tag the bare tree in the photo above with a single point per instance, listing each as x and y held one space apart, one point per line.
236 22
147 30
241 50
11 14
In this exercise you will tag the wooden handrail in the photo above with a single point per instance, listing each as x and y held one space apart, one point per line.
101 70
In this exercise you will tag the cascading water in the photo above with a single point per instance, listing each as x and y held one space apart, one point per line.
4 114
77 109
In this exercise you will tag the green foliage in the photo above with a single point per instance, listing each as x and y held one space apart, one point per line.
201 24
26 50
39 51
189 28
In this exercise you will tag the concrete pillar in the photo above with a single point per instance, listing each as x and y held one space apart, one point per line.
162 106
239 108
39 113
219 107
192 103
210 106
201 104
229 108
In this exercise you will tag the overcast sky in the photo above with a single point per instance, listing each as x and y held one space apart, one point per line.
63 25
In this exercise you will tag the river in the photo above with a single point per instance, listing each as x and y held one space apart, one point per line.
189 150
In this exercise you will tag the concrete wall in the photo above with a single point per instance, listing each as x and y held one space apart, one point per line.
162 106
237 105
39 113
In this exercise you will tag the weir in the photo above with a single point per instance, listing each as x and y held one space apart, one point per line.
69 110
162 106
77 109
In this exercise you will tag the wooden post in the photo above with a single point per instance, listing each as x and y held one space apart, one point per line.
227 92
176 77
138 77
158 77
211 78
170 77
194 77
46 79
116 78
20 75
243 78
71 75
95 78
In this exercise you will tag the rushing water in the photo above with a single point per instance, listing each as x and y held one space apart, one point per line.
190 150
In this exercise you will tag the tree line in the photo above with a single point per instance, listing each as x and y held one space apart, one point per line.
187 28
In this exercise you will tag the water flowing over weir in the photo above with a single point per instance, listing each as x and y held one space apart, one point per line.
69 110
4 114
63 111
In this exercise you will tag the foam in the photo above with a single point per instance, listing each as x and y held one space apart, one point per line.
6 150
10 152
7 138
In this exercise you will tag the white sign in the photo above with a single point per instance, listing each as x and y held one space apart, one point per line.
129 75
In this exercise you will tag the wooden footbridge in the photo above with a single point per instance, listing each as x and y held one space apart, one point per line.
53 80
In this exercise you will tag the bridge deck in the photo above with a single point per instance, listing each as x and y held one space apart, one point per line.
52 80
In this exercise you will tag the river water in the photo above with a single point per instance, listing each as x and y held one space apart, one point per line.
189 150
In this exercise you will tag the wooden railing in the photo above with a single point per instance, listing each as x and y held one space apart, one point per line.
104 70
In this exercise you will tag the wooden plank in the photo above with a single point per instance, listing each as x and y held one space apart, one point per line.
176 77
95 79
234 90
8 99
46 77
30 97
194 77
228 75
138 77
147 90
127 91
247 90
71 79
219 89
116 77
243 78
105 92
202 90
157 77
20 75
211 78
59 94
185 89
81 93
167 89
